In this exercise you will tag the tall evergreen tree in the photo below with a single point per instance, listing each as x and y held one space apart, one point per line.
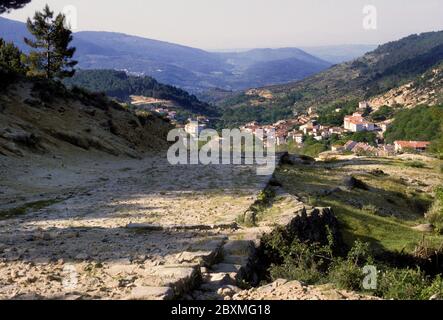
7 5
53 56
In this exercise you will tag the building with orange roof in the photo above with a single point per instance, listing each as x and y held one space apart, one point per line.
419 146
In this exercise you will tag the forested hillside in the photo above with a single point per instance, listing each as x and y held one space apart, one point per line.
119 85
422 123
389 66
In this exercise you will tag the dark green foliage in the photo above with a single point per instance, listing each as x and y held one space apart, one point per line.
384 113
330 117
437 144
435 213
422 123
11 66
415 164
11 58
364 136
313 263
7 5
297 260
118 84
238 110
347 273
403 284
236 117
52 57
311 147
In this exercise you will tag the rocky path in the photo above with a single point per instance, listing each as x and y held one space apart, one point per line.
224 280
115 229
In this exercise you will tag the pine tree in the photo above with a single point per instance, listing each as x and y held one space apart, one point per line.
53 57
11 58
7 5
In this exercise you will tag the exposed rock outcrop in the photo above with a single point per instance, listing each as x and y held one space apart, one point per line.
294 290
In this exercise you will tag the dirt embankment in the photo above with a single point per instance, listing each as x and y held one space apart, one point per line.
48 119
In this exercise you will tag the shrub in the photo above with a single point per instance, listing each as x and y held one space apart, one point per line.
305 271
314 264
435 288
301 261
403 284
296 260
47 91
330 159
346 275
415 164
435 213
370 208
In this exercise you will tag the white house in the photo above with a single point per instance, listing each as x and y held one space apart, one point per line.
297 136
356 123
363 105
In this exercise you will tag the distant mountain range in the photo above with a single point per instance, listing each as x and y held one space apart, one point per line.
340 53
192 69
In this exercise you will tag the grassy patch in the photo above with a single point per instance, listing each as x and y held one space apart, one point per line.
435 213
255 213
383 233
383 215
26 208
415 164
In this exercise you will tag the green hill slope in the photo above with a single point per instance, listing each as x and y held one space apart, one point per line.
119 85
389 66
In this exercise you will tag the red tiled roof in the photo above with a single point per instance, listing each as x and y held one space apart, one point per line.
413 144
356 120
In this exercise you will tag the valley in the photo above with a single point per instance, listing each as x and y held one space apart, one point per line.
92 207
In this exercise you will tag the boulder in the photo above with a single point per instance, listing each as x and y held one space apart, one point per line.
151 293
424 227
354 183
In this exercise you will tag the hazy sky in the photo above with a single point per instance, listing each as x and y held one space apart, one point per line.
226 24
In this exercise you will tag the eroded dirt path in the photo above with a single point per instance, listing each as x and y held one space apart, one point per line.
66 235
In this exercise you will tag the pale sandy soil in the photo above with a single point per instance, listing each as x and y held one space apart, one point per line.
95 198
295 290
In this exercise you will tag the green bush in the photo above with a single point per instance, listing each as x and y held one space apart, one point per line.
304 270
415 164
403 284
315 264
346 275
370 208
435 288
11 58
296 260
435 213
384 113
